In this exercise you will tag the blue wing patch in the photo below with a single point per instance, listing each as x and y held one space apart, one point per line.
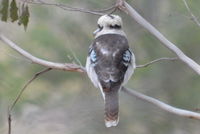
127 55
93 56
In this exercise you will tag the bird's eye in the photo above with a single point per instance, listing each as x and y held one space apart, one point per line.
127 56
93 56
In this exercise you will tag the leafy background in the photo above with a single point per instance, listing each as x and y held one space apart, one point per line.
64 102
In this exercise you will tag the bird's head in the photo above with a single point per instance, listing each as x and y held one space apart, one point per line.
109 24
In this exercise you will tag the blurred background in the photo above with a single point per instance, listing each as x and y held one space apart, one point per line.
65 102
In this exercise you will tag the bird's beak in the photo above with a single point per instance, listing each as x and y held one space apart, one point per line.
96 31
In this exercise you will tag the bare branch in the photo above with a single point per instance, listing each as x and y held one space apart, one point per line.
20 94
156 60
33 59
194 18
69 8
138 18
162 105
25 86
75 57
9 123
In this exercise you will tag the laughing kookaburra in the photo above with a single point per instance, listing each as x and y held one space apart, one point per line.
110 64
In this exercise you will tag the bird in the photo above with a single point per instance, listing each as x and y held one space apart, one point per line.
110 63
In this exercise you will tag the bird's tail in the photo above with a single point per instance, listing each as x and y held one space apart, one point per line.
111 108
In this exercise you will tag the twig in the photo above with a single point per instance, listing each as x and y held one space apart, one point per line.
69 8
33 59
156 60
194 18
9 123
20 94
75 57
34 77
139 19
162 105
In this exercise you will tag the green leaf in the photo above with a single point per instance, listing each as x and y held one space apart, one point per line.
24 17
4 10
13 11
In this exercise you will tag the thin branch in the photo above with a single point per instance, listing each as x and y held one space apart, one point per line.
156 60
139 19
33 59
9 123
20 94
162 105
25 86
194 18
75 57
69 8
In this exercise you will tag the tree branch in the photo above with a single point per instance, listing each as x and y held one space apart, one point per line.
69 8
194 18
20 94
139 19
156 60
33 59
25 86
162 105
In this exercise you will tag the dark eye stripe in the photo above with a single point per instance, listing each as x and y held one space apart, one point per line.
115 26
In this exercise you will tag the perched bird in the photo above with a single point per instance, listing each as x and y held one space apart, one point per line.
110 63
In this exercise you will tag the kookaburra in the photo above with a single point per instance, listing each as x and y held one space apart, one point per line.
110 63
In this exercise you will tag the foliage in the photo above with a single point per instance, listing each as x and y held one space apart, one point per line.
4 10
14 12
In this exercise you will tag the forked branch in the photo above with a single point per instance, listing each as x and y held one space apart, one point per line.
19 95
124 6
193 17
